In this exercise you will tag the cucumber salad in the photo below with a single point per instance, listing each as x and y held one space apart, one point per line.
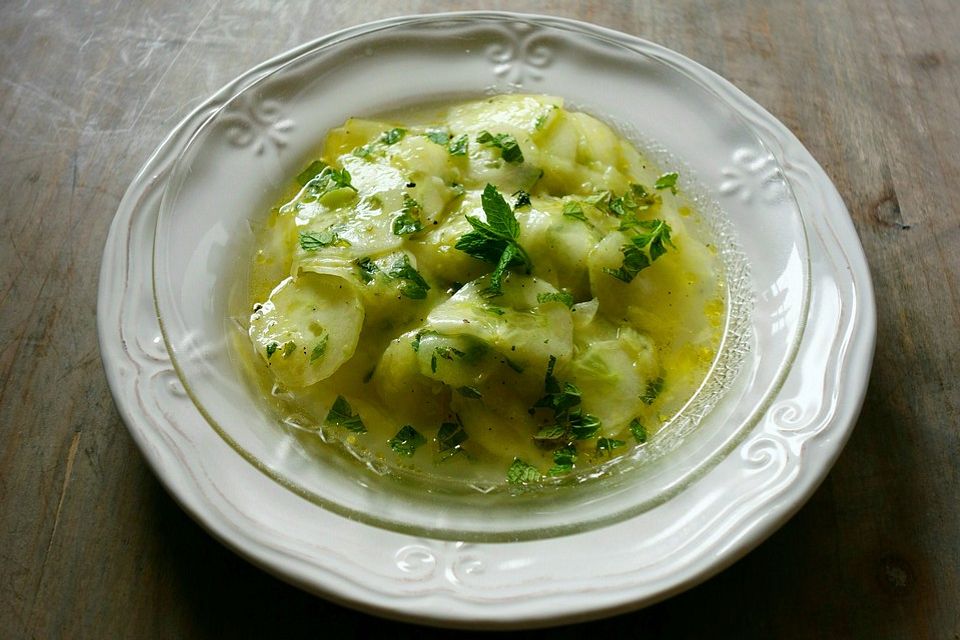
498 291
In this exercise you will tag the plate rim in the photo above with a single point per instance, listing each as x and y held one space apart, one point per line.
150 177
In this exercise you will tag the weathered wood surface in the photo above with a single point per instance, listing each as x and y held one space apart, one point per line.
90 544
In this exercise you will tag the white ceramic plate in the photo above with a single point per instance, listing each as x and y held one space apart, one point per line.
740 498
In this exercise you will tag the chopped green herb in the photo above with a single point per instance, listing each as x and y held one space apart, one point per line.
574 210
668 181
570 422
583 426
341 415
407 440
271 349
496 239
470 392
314 240
447 353
412 284
438 135
552 432
393 136
638 430
563 460
458 146
368 269
418 336
558 296
450 436
513 365
605 446
654 387
540 121
310 172
648 244
329 179
521 472
510 151
409 219
523 199
288 348
364 151
493 309
320 348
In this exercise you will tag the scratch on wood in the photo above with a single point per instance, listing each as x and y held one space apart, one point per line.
71 456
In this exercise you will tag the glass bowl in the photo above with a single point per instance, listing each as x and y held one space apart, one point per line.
241 158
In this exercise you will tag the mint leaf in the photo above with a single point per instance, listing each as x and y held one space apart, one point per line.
605 446
288 349
412 284
574 210
559 296
438 136
638 430
271 349
450 437
458 146
341 415
521 473
523 199
649 243
668 181
393 136
654 387
563 460
510 151
315 240
409 219
407 440
321 347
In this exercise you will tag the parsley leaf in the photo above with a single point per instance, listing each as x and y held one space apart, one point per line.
559 296
438 136
496 239
314 240
510 151
409 219
607 445
638 430
321 347
341 415
563 460
668 181
271 349
407 440
654 387
648 244
393 136
329 179
412 284
458 146
521 472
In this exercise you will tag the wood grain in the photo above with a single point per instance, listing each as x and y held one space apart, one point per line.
91 546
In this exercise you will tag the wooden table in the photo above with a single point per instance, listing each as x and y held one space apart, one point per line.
92 546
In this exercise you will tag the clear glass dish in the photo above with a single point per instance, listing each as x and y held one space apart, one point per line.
240 159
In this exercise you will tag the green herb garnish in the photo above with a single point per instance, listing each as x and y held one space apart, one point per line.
288 348
341 415
368 269
654 387
409 219
450 436
329 179
412 284
668 181
521 473
558 296
496 240
445 352
407 440
563 460
271 349
648 244
523 199
458 146
510 151
574 210
638 430
569 420
605 446
393 136
315 240
438 135
320 348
